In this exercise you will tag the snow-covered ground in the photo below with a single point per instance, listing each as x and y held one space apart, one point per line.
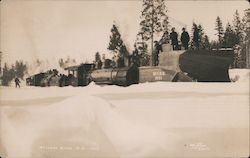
146 120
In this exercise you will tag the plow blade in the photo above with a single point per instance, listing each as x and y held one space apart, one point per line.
200 65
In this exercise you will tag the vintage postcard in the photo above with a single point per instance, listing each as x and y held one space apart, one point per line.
124 78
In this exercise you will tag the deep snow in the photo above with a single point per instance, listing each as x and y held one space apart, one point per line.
146 120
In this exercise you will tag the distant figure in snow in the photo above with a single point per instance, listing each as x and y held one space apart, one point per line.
174 39
17 81
185 38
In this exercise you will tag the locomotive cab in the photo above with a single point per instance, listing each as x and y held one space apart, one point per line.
79 75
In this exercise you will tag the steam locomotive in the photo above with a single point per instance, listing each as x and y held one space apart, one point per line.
174 66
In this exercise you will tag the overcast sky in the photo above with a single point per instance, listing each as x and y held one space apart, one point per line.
78 28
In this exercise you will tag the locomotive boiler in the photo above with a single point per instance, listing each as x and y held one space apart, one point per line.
116 76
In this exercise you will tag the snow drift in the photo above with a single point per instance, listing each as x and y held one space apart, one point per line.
95 126
159 119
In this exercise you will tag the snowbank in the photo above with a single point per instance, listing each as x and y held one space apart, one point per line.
95 123
24 93
239 75
146 120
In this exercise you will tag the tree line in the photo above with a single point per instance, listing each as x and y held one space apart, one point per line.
17 70
155 21
235 35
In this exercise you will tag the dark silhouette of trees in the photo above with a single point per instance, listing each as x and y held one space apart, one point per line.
115 40
246 36
195 44
18 70
142 48
238 27
6 78
199 39
205 43
230 37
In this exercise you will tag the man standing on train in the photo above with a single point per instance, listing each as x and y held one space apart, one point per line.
174 39
185 38
157 50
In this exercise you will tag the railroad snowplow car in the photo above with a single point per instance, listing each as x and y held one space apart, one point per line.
200 65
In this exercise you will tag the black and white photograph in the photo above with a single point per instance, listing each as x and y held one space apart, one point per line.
124 78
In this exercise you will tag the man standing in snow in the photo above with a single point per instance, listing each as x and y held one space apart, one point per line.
17 81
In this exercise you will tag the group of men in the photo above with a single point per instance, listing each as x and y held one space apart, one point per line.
184 39
172 38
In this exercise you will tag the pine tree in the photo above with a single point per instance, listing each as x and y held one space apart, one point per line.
206 44
117 46
12 72
21 69
6 75
1 64
246 36
154 19
246 24
238 27
230 37
195 43
203 38
116 42
219 29
97 57
142 47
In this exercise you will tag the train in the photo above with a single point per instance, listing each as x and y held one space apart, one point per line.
174 66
